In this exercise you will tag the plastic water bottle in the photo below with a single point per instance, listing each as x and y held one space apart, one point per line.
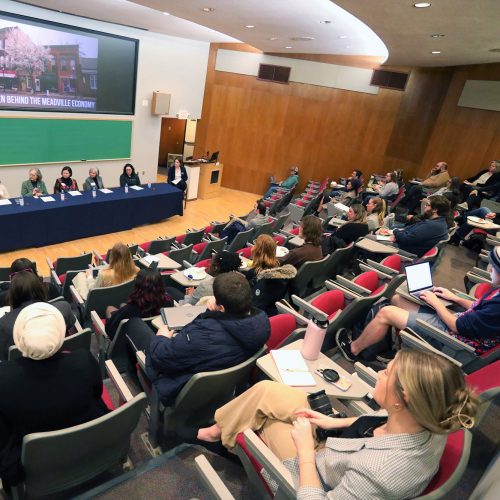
21 201
62 196
126 188
94 193
149 185
313 339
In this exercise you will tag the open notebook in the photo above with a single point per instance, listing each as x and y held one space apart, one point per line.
292 368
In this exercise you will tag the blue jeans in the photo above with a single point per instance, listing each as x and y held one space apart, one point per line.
272 188
465 228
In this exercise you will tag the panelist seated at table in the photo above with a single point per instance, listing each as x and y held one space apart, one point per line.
121 268
129 177
93 181
4 194
146 300
390 455
230 332
177 175
65 183
34 186
477 326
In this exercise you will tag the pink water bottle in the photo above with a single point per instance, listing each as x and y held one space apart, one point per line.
313 340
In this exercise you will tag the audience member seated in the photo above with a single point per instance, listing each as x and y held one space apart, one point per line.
46 389
148 297
129 177
419 238
437 178
477 326
256 218
465 228
376 208
25 289
21 265
346 198
311 232
93 181
4 194
34 186
121 268
355 227
269 280
289 183
483 179
393 456
177 175
356 174
389 187
228 334
222 262
65 183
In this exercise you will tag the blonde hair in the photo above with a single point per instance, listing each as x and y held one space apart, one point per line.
379 209
264 253
121 266
434 391
359 213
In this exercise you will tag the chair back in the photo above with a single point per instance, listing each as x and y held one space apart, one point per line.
64 264
240 240
329 302
308 272
266 228
69 276
160 246
282 325
181 254
4 273
193 237
333 265
99 299
211 247
57 460
80 340
204 392
280 221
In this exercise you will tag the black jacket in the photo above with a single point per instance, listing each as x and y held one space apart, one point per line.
133 180
344 235
213 341
269 286
494 179
182 184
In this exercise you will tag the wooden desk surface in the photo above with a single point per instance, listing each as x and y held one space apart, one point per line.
296 241
356 391
376 247
180 278
487 226
164 262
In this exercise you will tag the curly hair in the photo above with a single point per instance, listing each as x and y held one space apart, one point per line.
149 293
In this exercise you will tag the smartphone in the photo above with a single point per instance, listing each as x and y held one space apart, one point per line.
333 377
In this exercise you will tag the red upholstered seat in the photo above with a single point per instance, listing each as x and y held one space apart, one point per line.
477 230
280 240
430 253
378 290
165 253
203 263
300 203
179 239
245 252
209 229
199 247
393 261
282 325
329 302
449 461
267 203
295 231
145 246
274 197
368 279
62 278
482 289
107 398
485 378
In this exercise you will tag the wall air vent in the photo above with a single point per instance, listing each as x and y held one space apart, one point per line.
272 73
389 79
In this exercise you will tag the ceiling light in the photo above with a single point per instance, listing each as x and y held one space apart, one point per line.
422 5
273 38
249 26
342 36
166 14
302 38
207 9
436 52
325 22
288 47
437 35
347 46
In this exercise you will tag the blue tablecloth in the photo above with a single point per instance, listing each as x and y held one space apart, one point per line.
37 223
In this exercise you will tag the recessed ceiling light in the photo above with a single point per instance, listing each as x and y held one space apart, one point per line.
273 38
347 46
422 5
342 36
166 14
288 47
325 22
249 26
436 52
207 9
437 35
302 38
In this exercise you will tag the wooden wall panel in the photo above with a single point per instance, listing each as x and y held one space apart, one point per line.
262 128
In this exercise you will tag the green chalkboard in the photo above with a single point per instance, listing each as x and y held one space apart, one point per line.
28 141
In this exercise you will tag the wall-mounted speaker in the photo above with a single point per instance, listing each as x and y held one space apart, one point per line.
160 104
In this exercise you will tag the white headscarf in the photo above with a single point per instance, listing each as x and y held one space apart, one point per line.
39 331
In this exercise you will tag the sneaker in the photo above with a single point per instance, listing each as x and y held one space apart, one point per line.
463 206
343 339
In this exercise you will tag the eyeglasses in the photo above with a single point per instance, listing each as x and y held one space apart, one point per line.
28 269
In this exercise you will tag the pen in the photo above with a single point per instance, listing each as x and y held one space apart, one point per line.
294 370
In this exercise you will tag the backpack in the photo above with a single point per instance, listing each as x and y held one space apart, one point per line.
475 241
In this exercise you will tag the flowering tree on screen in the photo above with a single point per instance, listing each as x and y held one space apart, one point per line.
28 59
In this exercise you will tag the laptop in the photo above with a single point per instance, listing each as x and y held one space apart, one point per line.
178 317
419 280
214 157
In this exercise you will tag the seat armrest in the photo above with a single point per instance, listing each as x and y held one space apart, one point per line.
407 256
462 295
76 296
443 337
55 279
141 359
306 306
349 294
98 325
187 264
413 340
481 272
475 278
377 266
365 373
97 257
49 263
211 479
77 326
118 382
350 285
380 274
284 309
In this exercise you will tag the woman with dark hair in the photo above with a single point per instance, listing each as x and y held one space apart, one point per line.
65 183
18 266
129 177
311 232
222 262
25 289
148 297
177 175
34 186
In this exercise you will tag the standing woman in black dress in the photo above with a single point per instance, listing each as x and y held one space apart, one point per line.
177 175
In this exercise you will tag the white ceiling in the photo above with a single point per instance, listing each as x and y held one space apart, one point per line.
471 27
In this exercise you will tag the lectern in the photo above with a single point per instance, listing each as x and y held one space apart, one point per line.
210 180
